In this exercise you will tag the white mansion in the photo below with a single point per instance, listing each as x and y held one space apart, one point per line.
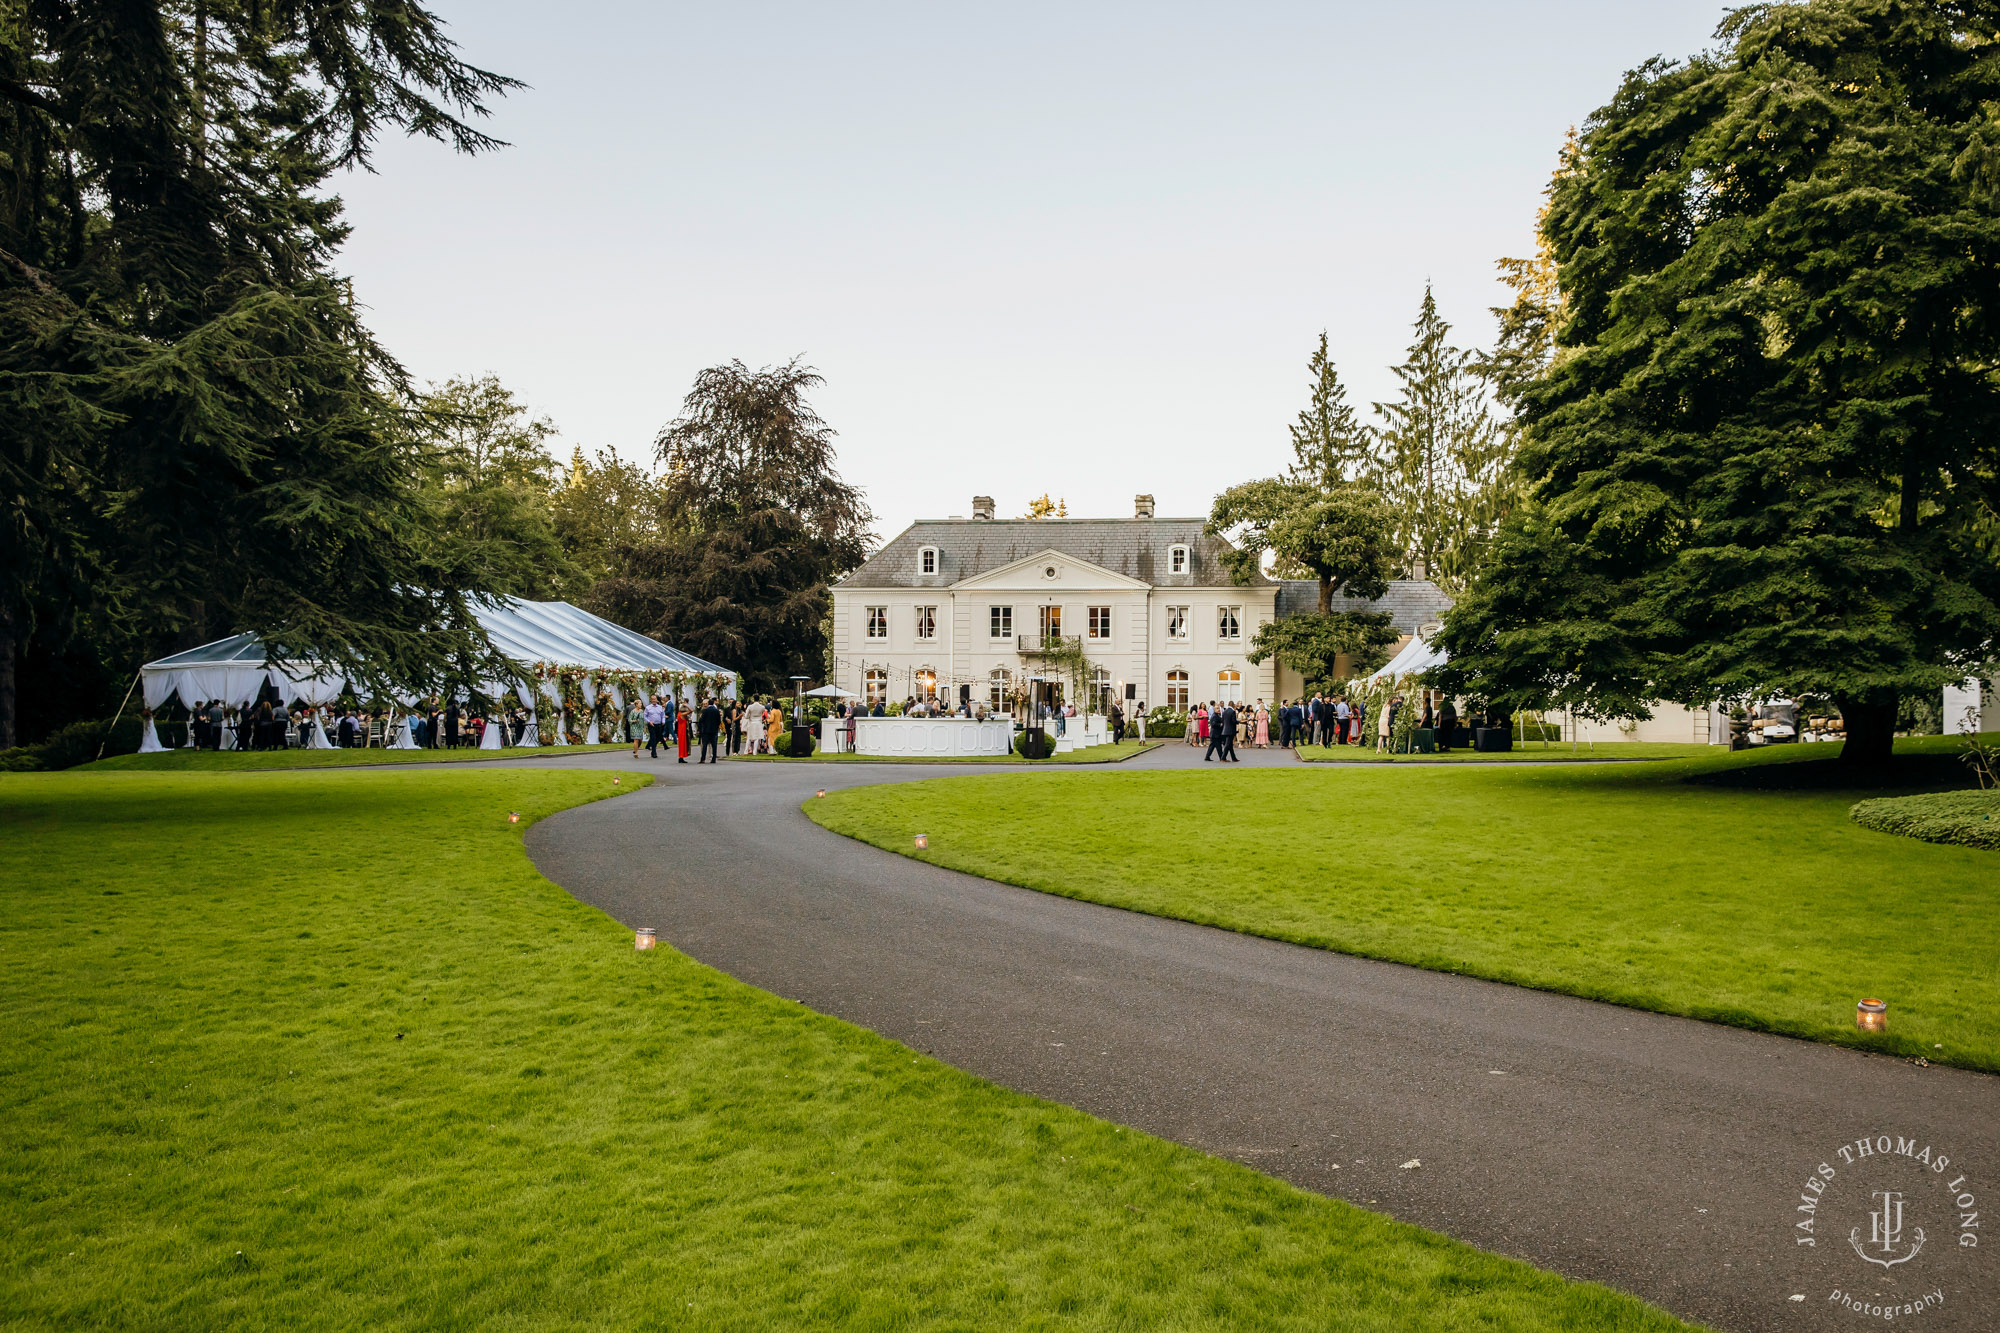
957 607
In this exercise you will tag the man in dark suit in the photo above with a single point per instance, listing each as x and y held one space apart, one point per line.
346 731
707 727
431 727
1229 720
451 724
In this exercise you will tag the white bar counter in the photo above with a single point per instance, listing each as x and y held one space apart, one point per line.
940 736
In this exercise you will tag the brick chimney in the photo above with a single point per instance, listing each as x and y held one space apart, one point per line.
1142 506
982 507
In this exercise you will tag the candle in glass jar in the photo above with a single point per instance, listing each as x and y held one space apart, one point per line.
1872 1016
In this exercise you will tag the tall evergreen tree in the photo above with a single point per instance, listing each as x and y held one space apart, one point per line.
489 479
1329 443
1767 459
195 431
757 525
1439 448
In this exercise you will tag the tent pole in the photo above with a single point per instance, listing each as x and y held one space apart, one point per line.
120 713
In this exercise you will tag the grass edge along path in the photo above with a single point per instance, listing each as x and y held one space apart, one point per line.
1763 909
371 756
384 1074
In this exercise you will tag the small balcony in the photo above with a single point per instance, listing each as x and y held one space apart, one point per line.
1034 645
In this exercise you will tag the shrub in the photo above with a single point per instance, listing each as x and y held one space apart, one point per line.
1048 746
75 744
798 744
1967 818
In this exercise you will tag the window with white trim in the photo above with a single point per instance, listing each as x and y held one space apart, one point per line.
927 622
1177 623
1229 623
1052 622
878 622
927 560
877 686
1100 622
926 683
1229 685
1100 691
1002 621
1000 690
1177 560
1177 690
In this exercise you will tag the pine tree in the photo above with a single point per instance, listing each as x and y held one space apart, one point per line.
1439 446
489 478
1329 443
196 431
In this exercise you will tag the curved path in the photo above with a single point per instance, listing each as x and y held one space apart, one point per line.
1659 1155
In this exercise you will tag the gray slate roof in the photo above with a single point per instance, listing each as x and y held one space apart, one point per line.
1134 547
1409 602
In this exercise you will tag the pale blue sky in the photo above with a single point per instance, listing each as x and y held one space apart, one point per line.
1078 248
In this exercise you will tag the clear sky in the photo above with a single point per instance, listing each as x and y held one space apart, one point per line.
1081 248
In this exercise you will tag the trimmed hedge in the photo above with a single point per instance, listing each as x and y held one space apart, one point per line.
1048 745
1966 818
75 744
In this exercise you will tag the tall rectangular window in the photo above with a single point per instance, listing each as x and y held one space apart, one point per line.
1002 622
927 622
927 560
878 622
1177 690
878 686
1177 622
1052 622
1228 623
1100 622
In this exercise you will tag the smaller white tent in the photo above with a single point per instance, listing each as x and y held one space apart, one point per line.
531 634
1417 655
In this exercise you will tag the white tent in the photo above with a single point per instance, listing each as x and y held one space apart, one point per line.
551 634
1417 655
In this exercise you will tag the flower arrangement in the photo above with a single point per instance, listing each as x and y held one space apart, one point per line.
571 681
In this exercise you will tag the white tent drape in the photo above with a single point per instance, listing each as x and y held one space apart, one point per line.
490 739
403 740
149 739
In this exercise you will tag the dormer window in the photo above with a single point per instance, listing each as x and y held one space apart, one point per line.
1177 560
927 560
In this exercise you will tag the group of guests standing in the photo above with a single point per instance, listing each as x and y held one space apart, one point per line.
709 730
1323 720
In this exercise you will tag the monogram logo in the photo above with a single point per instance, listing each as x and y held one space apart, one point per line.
1885 1232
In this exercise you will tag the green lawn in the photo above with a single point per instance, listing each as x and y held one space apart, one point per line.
318 1050
1530 753
241 761
1764 908
1096 754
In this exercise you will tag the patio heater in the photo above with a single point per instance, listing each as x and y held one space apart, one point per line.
799 731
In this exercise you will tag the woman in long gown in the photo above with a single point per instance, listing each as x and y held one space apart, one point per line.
1200 725
1263 726
774 726
681 732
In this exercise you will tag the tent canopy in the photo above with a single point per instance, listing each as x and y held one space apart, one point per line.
1417 655
553 633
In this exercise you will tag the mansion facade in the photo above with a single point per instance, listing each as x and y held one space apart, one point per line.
958 608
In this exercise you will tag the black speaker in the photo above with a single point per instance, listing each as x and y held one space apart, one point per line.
1131 689
965 694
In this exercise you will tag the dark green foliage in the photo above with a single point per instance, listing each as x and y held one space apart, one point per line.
1024 748
195 433
77 743
1766 459
1308 644
1341 535
488 479
757 524
1968 818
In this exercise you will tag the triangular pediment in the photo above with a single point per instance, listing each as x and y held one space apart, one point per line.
1031 573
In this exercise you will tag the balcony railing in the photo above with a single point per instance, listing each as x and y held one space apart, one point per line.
1035 644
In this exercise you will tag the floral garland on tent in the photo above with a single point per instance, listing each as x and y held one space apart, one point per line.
572 705
577 712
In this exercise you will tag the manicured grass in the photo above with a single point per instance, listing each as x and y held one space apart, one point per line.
1968 818
1764 908
239 761
1530 753
1096 754
320 1050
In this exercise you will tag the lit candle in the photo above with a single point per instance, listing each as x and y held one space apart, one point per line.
513 816
1872 1016
821 792
643 938
923 841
